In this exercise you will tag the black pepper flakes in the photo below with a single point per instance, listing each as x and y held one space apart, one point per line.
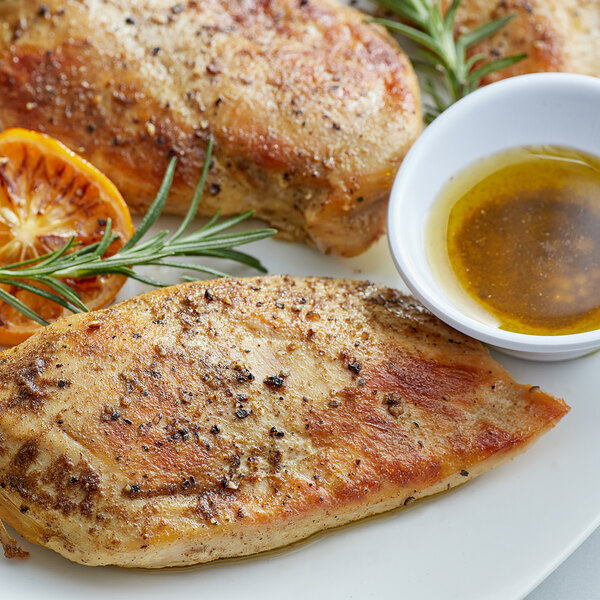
215 429
355 367
274 432
243 375
130 21
208 294
241 413
214 189
464 473
274 381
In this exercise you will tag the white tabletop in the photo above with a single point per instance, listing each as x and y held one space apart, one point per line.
578 578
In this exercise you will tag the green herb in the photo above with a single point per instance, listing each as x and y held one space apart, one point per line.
211 240
443 56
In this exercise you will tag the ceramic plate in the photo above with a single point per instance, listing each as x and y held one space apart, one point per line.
494 538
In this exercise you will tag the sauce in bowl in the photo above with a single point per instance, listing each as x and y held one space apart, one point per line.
515 238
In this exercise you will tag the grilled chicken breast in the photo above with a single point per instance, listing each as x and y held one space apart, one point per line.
312 109
557 35
223 418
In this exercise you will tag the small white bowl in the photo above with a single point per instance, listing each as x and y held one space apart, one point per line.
549 108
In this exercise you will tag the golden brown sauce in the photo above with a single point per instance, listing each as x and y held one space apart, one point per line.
520 233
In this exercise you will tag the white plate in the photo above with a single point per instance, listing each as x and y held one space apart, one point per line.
494 538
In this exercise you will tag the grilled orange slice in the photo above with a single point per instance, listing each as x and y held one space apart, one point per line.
47 195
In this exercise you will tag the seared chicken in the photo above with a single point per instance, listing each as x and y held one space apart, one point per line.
312 109
223 418
557 35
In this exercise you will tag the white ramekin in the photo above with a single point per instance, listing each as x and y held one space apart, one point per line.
548 108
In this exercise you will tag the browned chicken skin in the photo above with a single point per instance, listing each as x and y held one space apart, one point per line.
223 418
557 35
312 109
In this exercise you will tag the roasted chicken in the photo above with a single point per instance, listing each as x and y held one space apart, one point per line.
227 417
557 35
312 109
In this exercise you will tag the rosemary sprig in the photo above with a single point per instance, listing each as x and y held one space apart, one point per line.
212 240
442 56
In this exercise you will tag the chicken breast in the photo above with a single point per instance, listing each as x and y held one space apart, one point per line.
557 35
223 418
312 109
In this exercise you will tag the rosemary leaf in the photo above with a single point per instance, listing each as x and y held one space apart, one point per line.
414 34
21 307
42 293
155 208
237 256
191 267
443 56
73 261
477 35
131 274
197 195
493 66
106 240
63 290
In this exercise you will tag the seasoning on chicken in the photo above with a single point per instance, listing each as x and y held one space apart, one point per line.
311 107
228 417
557 35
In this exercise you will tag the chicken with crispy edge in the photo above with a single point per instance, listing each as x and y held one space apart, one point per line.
557 35
312 108
223 418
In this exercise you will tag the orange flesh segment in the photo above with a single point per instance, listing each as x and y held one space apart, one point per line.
47 195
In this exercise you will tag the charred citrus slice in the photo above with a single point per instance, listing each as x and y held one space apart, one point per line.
47 195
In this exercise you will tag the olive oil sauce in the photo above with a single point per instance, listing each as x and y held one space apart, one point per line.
515 239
